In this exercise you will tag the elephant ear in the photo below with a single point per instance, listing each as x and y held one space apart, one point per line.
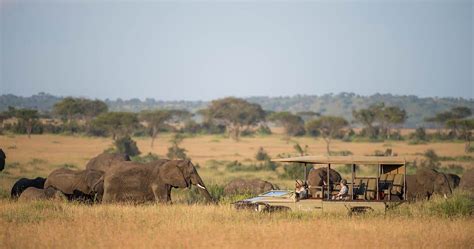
172 174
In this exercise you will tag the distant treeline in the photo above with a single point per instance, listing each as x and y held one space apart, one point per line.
343 104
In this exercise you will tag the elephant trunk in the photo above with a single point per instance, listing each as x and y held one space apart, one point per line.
196 180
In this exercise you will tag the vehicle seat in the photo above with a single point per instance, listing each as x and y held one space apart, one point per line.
370 193
397 186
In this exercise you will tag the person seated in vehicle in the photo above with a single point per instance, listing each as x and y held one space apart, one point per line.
301 192
343 193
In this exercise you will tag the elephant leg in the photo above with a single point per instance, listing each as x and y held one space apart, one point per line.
161 193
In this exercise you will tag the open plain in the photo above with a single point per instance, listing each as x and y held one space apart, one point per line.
61 225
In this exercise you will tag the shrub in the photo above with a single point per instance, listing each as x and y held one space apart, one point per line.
459 205
176 152
453 169
292 171
341 153
194 195
419 135
150 157
346 169
247 133
262 155
127 145
264 130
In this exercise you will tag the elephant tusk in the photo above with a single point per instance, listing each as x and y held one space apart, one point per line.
199 185
445 196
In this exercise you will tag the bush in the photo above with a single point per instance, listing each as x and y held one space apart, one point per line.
262 155
247 133
341 153
453 169
194 195
346 169
150 157
237 166
292 171
176 152
459 205
419 135
264 130
127 145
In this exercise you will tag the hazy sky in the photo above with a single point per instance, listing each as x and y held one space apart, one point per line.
205 50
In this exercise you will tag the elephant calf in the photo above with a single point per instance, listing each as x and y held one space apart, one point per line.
250 186
25 183
75 182
33 193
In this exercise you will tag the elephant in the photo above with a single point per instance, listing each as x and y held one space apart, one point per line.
104 161
467 180
250 186
25 183
318 176
84 184
453 180
2 159
33 193
137 182
427 182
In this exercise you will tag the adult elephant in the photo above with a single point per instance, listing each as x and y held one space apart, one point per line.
75 182
467 180
24 183
247 186
319 176
33 193
2 159
453 180
104 161
427 182
136 182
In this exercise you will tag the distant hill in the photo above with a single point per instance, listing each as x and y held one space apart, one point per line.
329 104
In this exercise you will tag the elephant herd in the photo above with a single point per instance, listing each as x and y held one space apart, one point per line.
113 178
420 186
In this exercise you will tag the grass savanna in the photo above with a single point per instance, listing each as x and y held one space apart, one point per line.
42 153
68 225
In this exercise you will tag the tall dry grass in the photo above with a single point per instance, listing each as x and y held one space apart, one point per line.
63 225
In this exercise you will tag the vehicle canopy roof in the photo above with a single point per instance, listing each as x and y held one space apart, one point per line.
366 160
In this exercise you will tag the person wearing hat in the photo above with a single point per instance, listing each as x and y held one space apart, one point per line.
301 192
343 192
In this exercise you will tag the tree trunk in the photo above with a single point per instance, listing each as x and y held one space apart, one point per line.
328 141
29 127
236 133
153 135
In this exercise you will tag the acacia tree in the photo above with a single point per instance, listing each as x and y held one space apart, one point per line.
159 118
442 118
235 113
155 119
117 123
71 108
293 124
367 118
388 116
464 127
27 117
328 126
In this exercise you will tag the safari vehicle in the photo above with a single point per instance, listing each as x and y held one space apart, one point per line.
375 193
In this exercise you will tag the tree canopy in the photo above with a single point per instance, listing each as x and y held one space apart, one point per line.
328 126
293 124
235 113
